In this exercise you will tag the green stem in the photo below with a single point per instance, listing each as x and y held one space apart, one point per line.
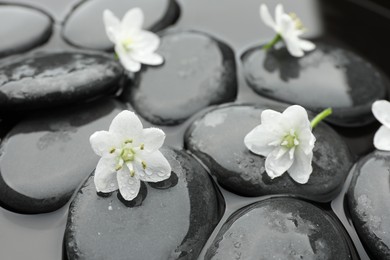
321 116
275 40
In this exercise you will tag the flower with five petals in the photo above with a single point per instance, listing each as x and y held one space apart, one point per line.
132 44
129 155
287 142
289 28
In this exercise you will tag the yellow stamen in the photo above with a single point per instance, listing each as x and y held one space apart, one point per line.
129 141
127 43
118 167
144 165
132 172
298 22
142 147
112 150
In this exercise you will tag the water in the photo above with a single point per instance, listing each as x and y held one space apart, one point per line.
41 236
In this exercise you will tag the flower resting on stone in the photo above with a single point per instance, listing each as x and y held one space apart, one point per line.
129 155
133 45
381 111
288 28
287 142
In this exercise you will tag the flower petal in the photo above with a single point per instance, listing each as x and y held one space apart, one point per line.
266 16
278 162
157 168
381 111
145 42
149 58
287 26
105 175
112 25
293 48
306 140
301 169
382 139
279 11
306 45
259 139
102 142
126 60
132 21
296 118
152 138
270 116
128 186
127 125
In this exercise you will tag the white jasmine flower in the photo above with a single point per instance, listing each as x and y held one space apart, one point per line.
381 111
289 28
132 44
129 154
286 140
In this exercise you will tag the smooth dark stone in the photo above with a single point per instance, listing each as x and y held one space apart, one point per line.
52 79
43 159
57 9
5 126
368 201
22 29
280 228
198 71
327 77
218 140
172 223
84 27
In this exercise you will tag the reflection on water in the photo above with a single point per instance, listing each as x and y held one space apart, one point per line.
32 236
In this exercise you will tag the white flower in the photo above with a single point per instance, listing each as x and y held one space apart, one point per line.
129 154
381 111
287 142
132 44
289 28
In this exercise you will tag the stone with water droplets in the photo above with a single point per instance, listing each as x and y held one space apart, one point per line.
327 77
84 27
56 78
170 222
217 138
22 29
280 228
368 201
198 71
44 158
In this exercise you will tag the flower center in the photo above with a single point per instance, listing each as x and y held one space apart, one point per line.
127 43
127 155
290 140
298 22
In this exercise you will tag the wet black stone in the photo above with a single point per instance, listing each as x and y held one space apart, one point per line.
57 9
51 79
84 26
43 159
327 77
368 201
22 29
170 223
280 228
218 140
198 71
